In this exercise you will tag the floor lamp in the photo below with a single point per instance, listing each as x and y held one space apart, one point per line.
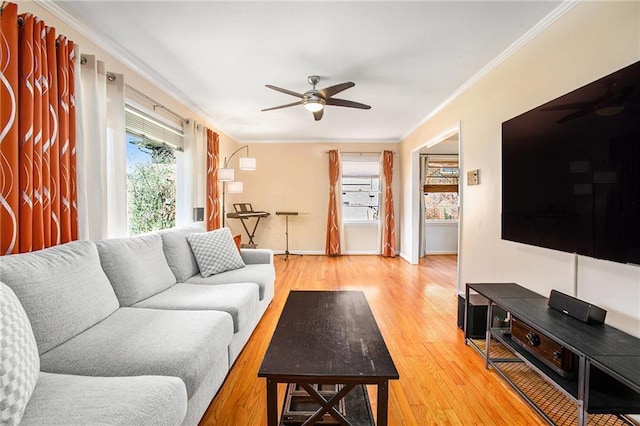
227 176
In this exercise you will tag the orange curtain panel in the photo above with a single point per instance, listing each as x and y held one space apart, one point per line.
213 195
9 148
37 129
389 225
332 246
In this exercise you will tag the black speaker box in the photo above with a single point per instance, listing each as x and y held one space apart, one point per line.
576 308
477 325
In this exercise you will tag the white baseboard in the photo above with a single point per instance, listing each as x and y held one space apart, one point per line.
309 252
365 252
321 253
442 252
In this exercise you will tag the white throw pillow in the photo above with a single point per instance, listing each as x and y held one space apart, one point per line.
20 363
215 251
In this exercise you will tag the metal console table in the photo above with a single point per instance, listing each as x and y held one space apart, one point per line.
608 376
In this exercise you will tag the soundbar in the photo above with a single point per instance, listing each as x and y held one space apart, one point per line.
576 308
286 213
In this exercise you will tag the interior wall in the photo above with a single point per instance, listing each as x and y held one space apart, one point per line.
441 236
591 40
294 177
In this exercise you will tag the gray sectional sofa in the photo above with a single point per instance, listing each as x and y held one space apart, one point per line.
127 330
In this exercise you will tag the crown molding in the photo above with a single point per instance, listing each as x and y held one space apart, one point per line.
552 17
321 141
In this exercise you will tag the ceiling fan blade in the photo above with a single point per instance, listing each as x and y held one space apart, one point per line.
327 92
283 106
288 92
577 105
632 108
345 103
574 115
318 114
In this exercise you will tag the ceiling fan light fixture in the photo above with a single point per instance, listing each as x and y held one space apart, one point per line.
313 106
313 103
314 100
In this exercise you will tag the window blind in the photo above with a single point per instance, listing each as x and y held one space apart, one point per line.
152 130
360 166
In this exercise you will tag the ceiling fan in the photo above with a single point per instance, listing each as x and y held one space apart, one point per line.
612 102
315 100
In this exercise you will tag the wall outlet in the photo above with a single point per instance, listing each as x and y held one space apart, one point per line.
473 177
198 214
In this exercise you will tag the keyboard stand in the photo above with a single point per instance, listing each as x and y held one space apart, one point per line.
286 233
245 216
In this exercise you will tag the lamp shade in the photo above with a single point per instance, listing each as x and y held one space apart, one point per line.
226 175
235 187
247 163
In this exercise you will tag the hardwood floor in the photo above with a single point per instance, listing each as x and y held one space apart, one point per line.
442 381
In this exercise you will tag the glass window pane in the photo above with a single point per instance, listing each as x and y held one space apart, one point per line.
441 206
151 186
359 213
360 198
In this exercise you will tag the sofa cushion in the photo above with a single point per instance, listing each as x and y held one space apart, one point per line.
178 252
61 399
262 274
63 289
19 361
239 300
255 255
215 251
135 342
136 267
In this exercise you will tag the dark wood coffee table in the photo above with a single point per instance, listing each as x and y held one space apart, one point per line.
327 337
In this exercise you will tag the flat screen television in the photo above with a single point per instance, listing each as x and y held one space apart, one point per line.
571 171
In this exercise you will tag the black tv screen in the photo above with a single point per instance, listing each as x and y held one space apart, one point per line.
571 171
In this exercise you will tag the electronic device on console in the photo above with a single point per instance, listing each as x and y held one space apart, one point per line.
552 354
576 308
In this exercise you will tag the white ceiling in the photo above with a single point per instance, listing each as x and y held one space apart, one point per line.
406 58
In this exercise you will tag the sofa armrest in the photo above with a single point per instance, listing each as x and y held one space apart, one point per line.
255 256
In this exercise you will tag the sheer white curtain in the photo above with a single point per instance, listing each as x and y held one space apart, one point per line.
191 176
101 152
424 162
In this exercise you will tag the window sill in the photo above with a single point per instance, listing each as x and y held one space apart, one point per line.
441 221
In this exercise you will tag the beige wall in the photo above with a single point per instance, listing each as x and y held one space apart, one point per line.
591 40
293 177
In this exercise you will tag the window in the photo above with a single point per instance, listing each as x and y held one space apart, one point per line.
360 189
152 147
441 189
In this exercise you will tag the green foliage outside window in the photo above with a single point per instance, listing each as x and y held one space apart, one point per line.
151 188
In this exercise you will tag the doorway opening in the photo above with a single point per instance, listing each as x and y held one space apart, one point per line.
437 197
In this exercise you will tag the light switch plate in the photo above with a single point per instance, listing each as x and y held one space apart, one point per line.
473 177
